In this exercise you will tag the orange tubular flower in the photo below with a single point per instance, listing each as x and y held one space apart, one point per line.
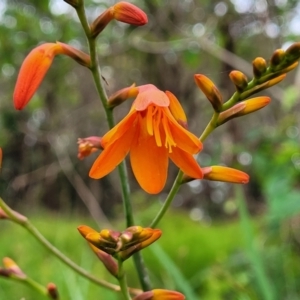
151 134
160 294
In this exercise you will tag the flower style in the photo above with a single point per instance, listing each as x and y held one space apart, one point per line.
152 135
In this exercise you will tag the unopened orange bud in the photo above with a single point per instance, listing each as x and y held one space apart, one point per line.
159 294
219 173
101 22
13 268
177 110
243 108
32 72
129 13
87 146
259 66
239 79
210 91
79 56
52 290
277 58
85 230
122 95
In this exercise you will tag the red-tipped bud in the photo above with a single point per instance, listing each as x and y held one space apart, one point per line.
87 146
3 215
128 13
159 294
243 108
239 79
32 72
52 291
123 12
259 66
177 110
107 260
122 95
210 91
219 173
13 268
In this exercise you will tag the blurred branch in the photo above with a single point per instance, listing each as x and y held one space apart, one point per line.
79 185
206 45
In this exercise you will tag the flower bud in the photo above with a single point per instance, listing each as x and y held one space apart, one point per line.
128 13
52 291
259 66
225 174
239 79
292 53
32 72
122 95
210 91
243 108
159 294
177 110
277 58
87 146
107 260
3 215
124 12
13 268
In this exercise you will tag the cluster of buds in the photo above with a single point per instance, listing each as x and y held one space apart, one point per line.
120 245
11 269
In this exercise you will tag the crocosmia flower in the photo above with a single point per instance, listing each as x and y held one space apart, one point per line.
151 135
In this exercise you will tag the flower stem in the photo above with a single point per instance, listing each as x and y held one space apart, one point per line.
96 72
123 281
34 231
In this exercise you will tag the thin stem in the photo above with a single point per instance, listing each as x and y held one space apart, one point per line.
34 231
36 286
177 183
123 281
96 72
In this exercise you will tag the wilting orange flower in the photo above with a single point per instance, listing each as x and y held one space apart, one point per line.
159 294
152 135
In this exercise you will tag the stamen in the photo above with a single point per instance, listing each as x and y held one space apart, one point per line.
156 121
169 142
149 120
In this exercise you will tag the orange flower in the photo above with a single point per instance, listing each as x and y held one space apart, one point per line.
152 135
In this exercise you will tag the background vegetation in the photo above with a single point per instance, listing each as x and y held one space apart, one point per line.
221 254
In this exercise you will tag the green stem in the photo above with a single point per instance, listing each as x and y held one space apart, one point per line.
34 231
36 286
123 281
177 183
96 71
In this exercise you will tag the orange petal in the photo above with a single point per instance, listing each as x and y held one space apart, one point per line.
151 96
149 162
112 156
184 139
32 72
186 162
120 129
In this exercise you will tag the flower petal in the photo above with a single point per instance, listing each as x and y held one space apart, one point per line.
120 129
186 162
151 96
184 139
149 162
112 156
